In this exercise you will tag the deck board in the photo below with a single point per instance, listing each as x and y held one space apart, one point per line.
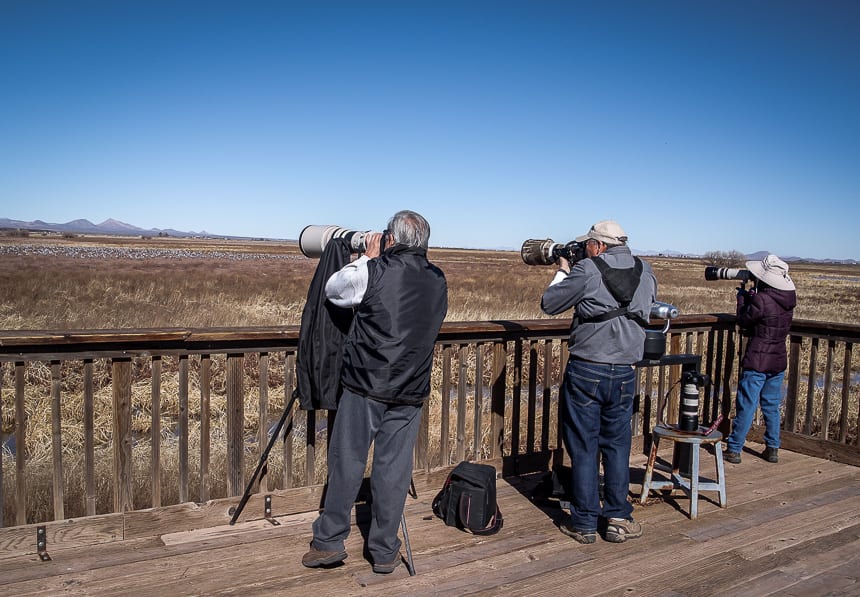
791 528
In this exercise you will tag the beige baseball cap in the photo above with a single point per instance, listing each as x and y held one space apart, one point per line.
607 231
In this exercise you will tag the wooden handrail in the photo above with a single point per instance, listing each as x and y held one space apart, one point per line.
495 388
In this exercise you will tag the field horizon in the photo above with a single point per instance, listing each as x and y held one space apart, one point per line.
63 282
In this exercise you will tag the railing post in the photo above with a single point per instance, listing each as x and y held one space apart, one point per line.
236 424
445 422
20 447
790 420
89 439
462 374
155 432
479 399
123 497
205 413
57 441
497 433
183 428
810 387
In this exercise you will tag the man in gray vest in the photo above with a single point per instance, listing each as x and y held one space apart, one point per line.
611 293
400 300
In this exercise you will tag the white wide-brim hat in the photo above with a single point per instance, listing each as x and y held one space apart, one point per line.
773 271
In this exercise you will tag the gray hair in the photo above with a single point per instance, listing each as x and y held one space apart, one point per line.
410 229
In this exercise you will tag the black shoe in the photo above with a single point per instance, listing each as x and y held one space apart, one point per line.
733 457
316 558
580 536
771 454
387 567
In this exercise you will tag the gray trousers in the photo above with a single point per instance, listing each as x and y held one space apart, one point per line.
393 429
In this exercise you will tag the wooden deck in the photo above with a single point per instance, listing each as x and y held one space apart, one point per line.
792 528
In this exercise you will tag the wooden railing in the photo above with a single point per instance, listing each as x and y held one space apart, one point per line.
97 422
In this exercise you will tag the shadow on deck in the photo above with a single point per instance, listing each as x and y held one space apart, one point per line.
792 528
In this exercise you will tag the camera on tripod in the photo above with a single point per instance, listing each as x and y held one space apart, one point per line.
537 251
314 238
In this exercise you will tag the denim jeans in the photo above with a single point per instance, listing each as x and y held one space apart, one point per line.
597 403
756 389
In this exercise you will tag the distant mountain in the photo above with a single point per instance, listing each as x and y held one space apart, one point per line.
109 226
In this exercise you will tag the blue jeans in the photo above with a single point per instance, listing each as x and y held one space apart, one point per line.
597 403
756 389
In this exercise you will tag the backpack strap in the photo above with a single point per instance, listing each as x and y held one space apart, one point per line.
621 285
463 511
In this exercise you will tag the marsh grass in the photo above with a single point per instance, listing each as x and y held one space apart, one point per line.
116 283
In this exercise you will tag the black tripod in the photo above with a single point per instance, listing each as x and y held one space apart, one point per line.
264 458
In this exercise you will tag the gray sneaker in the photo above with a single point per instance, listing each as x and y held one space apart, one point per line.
619 530
317 558
578 535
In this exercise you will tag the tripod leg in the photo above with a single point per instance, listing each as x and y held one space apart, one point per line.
410 564
263 458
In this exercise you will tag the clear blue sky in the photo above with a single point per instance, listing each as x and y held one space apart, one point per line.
699 126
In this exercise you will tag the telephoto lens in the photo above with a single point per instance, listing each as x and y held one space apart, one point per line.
313 239
726 273
536 251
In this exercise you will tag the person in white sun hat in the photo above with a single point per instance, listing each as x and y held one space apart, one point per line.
764 314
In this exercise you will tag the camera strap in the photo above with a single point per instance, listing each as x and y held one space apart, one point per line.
622 285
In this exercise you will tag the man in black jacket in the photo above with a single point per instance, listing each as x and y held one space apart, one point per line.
400 300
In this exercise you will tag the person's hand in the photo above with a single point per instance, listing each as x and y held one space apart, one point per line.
742 292
564 265
371 244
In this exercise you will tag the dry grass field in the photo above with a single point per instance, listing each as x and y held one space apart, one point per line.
55 283
113 282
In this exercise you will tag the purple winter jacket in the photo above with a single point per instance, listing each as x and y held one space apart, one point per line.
765 317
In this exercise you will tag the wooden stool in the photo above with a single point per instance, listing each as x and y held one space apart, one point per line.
693 485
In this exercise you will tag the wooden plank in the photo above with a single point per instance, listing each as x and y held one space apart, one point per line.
811 446
70 533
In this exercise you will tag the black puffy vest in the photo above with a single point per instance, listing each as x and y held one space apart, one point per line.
388 354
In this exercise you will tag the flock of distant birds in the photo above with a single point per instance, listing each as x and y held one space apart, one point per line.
134 253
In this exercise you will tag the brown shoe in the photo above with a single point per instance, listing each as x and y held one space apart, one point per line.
620 530
316 558
387 567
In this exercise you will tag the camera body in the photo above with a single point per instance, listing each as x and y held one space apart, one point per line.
314 238
713 272
537 251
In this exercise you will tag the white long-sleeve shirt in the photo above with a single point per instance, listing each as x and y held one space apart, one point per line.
346 287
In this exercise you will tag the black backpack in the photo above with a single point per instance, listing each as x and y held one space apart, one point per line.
468 499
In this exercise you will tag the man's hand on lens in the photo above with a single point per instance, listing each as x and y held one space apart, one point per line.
564 265
371 244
